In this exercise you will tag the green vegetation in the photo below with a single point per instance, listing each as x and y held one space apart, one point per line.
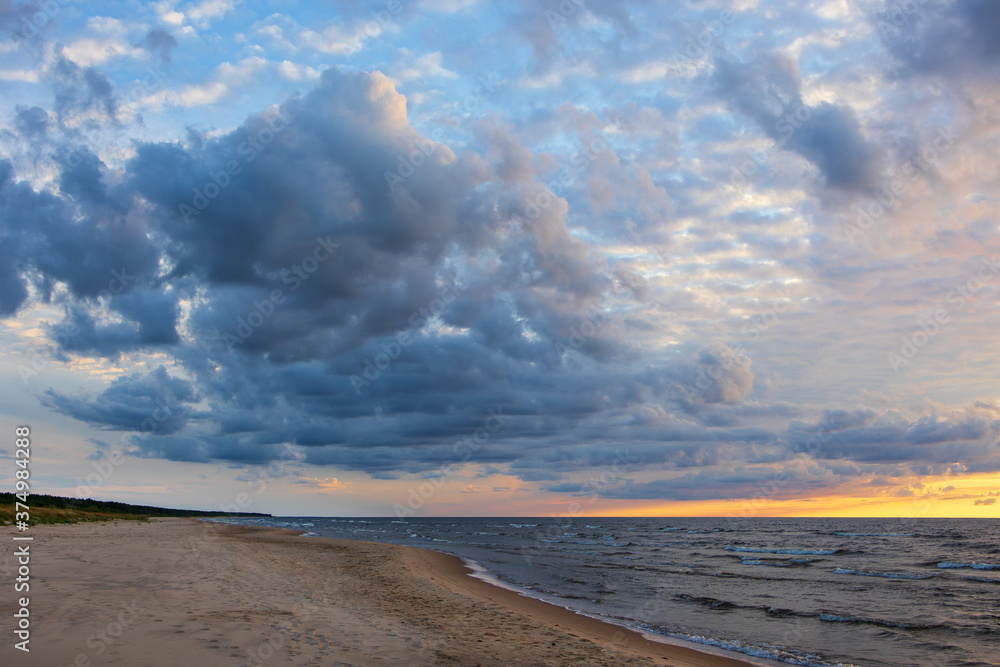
56 509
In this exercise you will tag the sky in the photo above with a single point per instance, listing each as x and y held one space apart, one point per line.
462 257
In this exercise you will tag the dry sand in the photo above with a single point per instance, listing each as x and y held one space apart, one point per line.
180 592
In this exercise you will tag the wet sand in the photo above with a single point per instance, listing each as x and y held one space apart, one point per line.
181 592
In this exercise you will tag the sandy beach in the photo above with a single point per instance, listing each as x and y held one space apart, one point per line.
182 592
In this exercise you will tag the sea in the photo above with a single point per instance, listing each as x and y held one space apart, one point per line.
819 592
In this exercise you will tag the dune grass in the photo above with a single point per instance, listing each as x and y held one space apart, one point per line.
46 509
47 515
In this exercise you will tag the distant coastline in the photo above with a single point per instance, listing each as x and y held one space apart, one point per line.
47 509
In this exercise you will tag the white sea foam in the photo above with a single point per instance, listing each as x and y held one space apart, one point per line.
772 563
840 618
807 552
887 575
759 651
973 566
481 573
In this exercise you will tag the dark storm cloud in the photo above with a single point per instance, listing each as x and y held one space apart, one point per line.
172 448
78 238
844 445
432 403
951 39
150 321
16 19
13 291
316 235
83 236
151 403
81 179
967 437
83 89
712 484
236 450
716 374
318 170
768 90
332 280
31 122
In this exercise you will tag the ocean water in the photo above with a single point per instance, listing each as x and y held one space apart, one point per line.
821 592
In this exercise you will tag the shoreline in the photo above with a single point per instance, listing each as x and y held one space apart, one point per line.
454 573
674 642
181 591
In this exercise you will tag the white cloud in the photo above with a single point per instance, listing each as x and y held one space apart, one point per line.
30 76
334 38
657 69
408 68
296 72
225 79
202 14
89 52
557 75
108 38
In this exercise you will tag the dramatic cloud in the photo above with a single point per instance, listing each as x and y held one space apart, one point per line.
947 39
827 135
326 250
750 248
154 403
